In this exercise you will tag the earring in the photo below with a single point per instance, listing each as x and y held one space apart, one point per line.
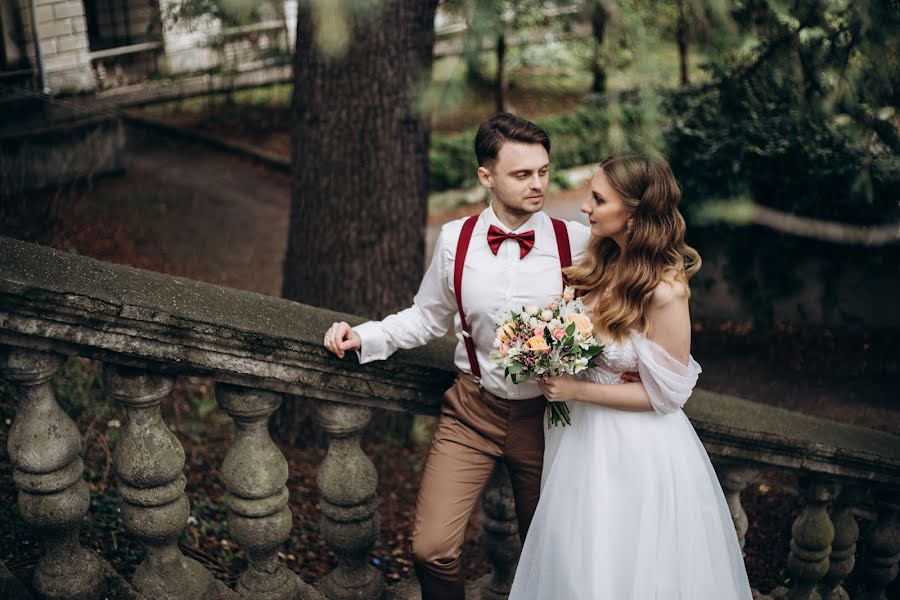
628 226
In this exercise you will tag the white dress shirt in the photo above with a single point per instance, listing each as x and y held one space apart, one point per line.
490 285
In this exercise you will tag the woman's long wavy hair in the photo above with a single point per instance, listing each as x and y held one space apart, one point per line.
620 283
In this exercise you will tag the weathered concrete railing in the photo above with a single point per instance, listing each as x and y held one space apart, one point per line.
148 328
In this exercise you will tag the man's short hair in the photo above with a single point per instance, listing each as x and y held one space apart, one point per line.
505 127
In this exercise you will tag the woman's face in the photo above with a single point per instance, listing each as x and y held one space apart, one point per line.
608 215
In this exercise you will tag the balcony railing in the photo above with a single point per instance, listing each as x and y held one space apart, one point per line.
148 328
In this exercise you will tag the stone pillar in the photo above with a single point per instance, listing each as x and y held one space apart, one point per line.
347 481
65 54
880 562
734 478
499 535
149 461
811 538
45 449
843 548
255 473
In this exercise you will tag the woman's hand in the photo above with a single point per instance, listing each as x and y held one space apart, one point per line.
560 388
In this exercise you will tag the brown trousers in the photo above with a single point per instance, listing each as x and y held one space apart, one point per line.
476 429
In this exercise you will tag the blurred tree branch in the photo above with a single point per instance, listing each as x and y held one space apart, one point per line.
747 212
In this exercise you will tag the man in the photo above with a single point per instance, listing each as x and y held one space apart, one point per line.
509 256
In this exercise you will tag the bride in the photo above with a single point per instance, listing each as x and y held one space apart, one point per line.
630 506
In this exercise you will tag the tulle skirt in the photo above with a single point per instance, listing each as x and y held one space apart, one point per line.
630 509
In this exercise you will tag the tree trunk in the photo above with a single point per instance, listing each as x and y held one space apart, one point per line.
598 24
681 35
360 167
501 85
360 161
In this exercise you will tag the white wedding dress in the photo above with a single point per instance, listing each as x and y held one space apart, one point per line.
630 506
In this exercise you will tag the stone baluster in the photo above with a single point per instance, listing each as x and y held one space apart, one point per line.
880 563
499 535
843 548
347 481
811 537
255 473
45 448
734 478
149 461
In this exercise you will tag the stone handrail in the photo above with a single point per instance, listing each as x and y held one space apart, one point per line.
148 328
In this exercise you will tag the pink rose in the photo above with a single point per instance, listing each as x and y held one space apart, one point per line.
504 349
559 334
539 330
568 296
553 304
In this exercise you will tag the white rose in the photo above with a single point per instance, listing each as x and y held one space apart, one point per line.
532 309
547 314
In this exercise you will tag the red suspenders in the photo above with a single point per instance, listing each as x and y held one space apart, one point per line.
462 247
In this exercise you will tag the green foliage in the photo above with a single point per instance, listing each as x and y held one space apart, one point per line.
726 146
230 12
79 388
721 146
790 126
451 161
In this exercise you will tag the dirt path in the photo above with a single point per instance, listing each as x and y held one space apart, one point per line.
185 209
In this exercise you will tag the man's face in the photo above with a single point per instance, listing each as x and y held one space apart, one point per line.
518 177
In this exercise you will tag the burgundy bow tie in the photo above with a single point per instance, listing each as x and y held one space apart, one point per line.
496 236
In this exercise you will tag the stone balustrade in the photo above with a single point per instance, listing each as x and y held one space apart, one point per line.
147 329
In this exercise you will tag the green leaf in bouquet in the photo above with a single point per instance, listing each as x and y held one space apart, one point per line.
592 352
514 369
522 378
570 330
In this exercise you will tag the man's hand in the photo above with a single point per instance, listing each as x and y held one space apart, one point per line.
631 377
339 338
559 389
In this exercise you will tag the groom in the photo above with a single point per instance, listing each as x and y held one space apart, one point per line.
509 256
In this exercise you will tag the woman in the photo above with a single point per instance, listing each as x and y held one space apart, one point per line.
630 506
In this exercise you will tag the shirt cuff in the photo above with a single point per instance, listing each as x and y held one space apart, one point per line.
373 342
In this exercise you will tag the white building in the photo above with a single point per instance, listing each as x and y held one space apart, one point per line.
72 46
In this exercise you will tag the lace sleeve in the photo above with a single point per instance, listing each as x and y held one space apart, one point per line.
668 382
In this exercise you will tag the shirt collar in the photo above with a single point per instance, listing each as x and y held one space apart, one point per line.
534 221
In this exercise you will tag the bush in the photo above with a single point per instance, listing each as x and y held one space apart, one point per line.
780 156
451 161
725 144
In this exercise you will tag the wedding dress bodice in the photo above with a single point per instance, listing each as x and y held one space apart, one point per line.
619 356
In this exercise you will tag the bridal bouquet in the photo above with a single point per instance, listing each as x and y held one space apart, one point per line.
546 342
